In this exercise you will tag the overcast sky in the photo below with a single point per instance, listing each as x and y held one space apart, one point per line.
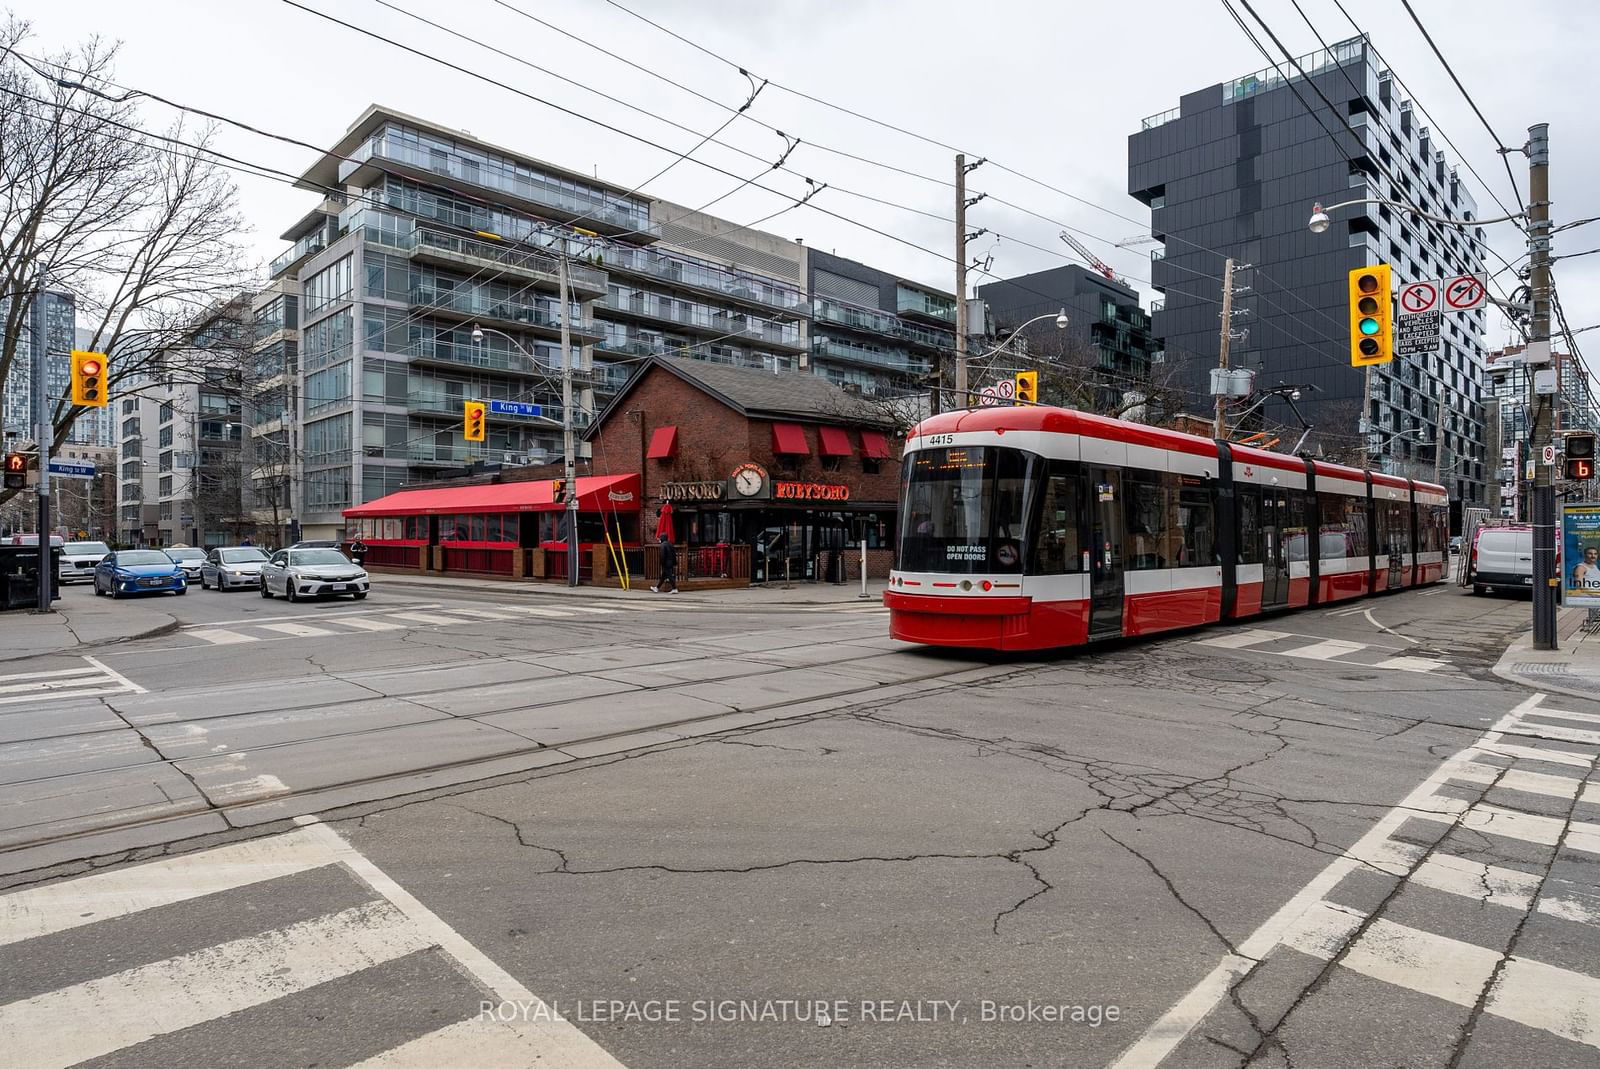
1049 88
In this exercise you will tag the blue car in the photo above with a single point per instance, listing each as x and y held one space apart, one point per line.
138 571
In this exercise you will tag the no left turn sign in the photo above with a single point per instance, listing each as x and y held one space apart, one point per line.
1418 297
1464 293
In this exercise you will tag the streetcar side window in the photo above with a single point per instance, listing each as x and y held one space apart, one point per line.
1196 524
1058 546
1249 504
1010 510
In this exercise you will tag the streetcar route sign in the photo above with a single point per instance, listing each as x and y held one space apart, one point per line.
1417 298
1418 335
1465 292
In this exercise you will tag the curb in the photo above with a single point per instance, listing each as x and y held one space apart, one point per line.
167 628
1555 669
531 590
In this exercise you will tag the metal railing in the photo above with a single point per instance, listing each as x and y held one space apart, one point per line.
1160 119
313 242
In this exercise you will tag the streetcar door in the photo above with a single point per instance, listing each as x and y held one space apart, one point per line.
1275 521
1106 528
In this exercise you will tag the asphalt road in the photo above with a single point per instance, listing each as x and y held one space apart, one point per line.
736 838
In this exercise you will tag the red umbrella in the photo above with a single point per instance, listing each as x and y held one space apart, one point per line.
664 522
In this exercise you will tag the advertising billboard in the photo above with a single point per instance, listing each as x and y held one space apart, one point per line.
1580 554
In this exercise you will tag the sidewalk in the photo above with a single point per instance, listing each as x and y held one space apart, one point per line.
739 598
79 625
1572 668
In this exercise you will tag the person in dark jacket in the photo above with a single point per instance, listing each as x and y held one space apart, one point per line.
669 568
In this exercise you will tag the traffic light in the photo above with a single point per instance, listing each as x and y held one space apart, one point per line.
1580 455
16 471
558 490
89 379
1371 330
1027 391
474 417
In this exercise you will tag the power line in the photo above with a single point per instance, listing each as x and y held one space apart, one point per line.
1499 143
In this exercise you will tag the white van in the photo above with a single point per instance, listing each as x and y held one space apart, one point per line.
1502 559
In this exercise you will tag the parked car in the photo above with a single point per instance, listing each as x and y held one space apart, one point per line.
33 540
1455 543
310 573
318 543
138 571
79 560
1502 559
232 566
189 559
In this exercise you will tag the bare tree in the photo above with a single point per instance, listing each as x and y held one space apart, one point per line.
144 235
1071 375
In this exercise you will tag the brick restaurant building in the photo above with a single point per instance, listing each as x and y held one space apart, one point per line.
787 465
766 475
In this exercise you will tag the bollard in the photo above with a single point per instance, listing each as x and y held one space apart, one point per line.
863 593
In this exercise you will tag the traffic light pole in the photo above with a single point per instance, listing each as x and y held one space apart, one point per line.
567 441
42 433
1544 492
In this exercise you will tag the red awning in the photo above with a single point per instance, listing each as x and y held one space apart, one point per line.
619 493
790 438
874 445
663 443
835 442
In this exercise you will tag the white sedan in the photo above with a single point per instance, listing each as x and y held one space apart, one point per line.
310 573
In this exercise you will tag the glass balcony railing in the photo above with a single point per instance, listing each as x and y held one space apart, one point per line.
910 302
568 201
471 303
891 359
880 322
312 243
503 254
701 276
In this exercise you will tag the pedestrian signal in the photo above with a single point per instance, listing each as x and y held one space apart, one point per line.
16 471
558 489
88 379
1371 331
1580 468
1027 391
474 417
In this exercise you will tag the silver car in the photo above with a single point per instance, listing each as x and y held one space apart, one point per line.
231 566
310 573
189 559
79 559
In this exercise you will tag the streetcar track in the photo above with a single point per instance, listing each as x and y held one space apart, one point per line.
222 810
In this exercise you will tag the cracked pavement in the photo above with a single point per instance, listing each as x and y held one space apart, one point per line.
768 805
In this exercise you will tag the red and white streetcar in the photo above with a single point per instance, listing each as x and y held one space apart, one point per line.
1035 527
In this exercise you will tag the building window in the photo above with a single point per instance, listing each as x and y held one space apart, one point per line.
330 284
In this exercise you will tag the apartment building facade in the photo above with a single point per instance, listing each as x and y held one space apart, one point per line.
429 274
1234 170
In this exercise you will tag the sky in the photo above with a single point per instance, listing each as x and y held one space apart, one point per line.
1049 90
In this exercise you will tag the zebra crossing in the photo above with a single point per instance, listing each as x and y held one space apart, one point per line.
1480 835
93 680
1333 650
332 624
155 1011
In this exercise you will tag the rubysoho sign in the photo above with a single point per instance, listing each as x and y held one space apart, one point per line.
810 492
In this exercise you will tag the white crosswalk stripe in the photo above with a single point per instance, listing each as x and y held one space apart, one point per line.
1507 984
1331 650
343 623
92 680
103 1014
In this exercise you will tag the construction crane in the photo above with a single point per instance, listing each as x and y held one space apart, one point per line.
1090 258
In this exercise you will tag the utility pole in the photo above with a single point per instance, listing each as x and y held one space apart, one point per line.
1220 431
1544 494
566 426
961 280
42 434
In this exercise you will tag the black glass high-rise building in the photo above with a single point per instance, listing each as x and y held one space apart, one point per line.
1234 171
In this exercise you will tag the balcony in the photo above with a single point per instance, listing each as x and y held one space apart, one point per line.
880 322
429 454
299 253
505 259
427 164
1160 119
702 277
939 309
469 304
883 359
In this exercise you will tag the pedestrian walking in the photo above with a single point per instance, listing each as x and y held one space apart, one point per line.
669 568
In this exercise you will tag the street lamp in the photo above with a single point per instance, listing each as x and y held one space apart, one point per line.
1061 324
568 444
1319 215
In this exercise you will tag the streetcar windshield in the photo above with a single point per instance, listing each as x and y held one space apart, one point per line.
963 510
